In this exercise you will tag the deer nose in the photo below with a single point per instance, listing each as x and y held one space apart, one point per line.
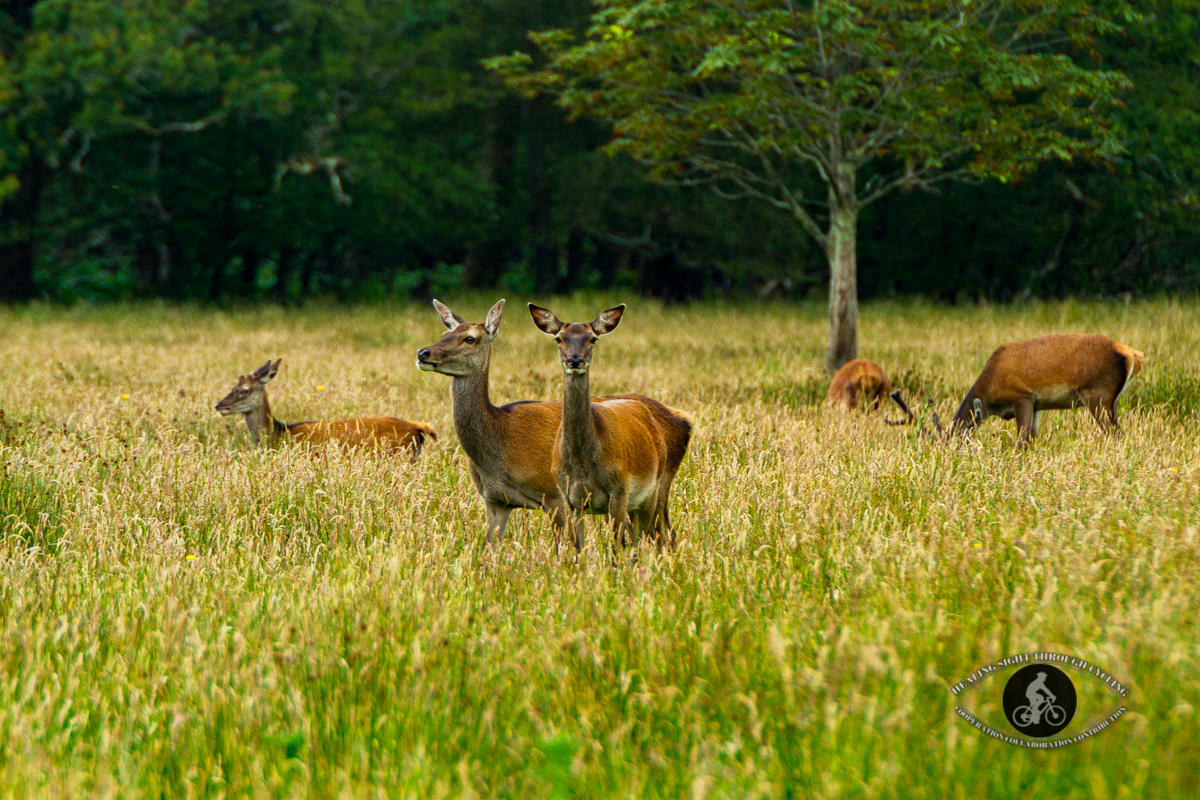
423 354
574 362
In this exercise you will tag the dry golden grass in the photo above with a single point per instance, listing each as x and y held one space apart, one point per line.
185 615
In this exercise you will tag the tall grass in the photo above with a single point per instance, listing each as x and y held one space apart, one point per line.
185 615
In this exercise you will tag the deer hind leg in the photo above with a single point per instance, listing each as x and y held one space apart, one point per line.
661 530
618 515
497 521
562 520
851 396
1103 409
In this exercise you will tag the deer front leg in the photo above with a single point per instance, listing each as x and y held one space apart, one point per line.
1026 420
497 521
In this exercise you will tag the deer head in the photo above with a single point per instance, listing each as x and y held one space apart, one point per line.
248 394
576 340
466 347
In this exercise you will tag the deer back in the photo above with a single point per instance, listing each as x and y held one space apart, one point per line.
1049 366
385 433
858 377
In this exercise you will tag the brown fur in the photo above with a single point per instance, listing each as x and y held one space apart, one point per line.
856 378
390 434
1051 372
508 447
387 433
616 455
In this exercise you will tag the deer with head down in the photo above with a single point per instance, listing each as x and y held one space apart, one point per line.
614 455
249 397
1061 371
857 379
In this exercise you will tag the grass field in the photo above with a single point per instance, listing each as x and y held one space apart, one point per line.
185 615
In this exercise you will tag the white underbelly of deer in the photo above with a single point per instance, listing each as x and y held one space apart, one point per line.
1057 397
584 494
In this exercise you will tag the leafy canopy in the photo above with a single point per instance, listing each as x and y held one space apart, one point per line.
732 92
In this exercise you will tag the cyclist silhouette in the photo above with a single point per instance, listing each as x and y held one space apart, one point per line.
1035 692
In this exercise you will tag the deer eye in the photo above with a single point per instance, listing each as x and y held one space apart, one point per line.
558 339
470 340
595 339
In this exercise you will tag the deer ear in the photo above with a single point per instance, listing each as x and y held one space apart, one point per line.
449 318
492 323
608 320
266 371
545 320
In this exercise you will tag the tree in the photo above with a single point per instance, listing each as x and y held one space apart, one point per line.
77 73
771 99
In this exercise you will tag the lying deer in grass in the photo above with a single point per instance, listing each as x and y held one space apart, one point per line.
613 455
508 447
1063 371
858 378
249 397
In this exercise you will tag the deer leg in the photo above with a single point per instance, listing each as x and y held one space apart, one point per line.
497 521
1026 420
618 514
563 520
664 536
1104 410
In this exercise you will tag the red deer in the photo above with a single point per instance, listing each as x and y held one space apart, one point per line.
614 455
508 447
1063 371
249 397
858 378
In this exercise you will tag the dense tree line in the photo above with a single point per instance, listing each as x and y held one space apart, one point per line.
279 149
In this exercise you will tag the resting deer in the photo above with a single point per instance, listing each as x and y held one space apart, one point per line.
249 397
1063 371
856 378
614 455
508 447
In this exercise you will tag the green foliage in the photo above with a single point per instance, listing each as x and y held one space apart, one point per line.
277 149
734 91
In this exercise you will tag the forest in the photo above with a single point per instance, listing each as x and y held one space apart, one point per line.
276 150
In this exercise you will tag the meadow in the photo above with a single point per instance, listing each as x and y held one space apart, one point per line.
183 614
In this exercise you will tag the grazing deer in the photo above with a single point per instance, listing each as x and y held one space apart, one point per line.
508 447
855 378
1066 370
613 455
249 397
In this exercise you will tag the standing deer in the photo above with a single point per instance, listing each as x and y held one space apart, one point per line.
1063 371
508 447
859 377
249 397
614 455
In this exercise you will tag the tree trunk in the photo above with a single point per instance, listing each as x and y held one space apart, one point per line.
18 220
841 250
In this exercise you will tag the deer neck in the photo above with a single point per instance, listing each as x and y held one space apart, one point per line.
476 419
964 418
579 444
261 422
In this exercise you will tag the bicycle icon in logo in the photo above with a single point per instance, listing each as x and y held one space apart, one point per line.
1049 700
1041 701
